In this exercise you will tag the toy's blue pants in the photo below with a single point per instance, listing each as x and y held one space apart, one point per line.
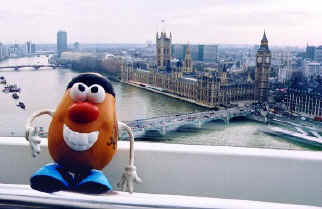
53 178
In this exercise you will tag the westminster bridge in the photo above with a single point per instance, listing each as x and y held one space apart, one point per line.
160 126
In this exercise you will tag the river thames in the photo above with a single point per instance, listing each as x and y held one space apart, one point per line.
43 89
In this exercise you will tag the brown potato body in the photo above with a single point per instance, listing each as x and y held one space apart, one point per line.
101 153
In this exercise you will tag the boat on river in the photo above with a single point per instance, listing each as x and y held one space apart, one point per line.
21 105
15 96
299 135
11 88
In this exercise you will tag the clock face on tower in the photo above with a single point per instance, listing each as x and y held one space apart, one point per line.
267 60
259 59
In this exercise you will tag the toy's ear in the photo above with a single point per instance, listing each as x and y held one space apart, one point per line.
116 130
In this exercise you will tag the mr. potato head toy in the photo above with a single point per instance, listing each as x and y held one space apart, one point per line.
82 139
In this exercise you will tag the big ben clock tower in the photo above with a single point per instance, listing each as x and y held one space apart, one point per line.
263 63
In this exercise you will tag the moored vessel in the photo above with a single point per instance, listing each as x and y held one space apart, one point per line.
15 96
21 105
299 135
11 88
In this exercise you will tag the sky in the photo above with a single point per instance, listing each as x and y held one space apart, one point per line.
286 22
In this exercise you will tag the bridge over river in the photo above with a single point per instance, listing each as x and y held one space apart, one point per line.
160 126
36 67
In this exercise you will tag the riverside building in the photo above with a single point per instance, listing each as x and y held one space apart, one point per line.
304 101
177 78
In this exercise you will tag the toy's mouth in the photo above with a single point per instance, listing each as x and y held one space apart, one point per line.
79 141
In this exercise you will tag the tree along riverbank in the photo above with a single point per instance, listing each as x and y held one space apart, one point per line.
109 67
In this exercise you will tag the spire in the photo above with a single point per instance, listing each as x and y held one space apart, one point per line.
264 41
249 78
187 60
224 70
223 76
188 49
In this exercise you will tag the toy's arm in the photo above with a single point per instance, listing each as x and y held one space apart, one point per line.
32 133
129 176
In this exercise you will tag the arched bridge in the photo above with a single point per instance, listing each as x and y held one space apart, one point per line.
36 67
160 126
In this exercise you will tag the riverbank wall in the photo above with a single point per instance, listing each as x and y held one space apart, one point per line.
258 118
171 95
252 117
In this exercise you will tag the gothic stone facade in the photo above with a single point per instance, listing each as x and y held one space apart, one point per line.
204 89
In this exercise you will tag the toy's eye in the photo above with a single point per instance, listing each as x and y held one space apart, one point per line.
96 94
78 92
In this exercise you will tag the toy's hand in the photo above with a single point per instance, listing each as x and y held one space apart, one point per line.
129 177
32 135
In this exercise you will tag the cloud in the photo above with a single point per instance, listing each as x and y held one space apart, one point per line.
136 21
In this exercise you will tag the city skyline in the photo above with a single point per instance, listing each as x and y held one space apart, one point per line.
290 22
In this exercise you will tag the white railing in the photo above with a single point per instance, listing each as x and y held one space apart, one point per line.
284 176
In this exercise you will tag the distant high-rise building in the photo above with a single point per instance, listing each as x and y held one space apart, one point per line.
28 50
318 54
177 51
194 51
198 52
163 50
61 41
310 52
1 51
33 48
263 63
210 53
201 52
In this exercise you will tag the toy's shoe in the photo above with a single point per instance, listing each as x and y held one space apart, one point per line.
51 178
94 182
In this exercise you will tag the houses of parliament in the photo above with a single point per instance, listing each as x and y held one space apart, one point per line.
209 89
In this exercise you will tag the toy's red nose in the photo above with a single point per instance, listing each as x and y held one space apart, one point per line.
83 112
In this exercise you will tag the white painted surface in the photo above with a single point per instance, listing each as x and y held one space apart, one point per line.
293 177
120 200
